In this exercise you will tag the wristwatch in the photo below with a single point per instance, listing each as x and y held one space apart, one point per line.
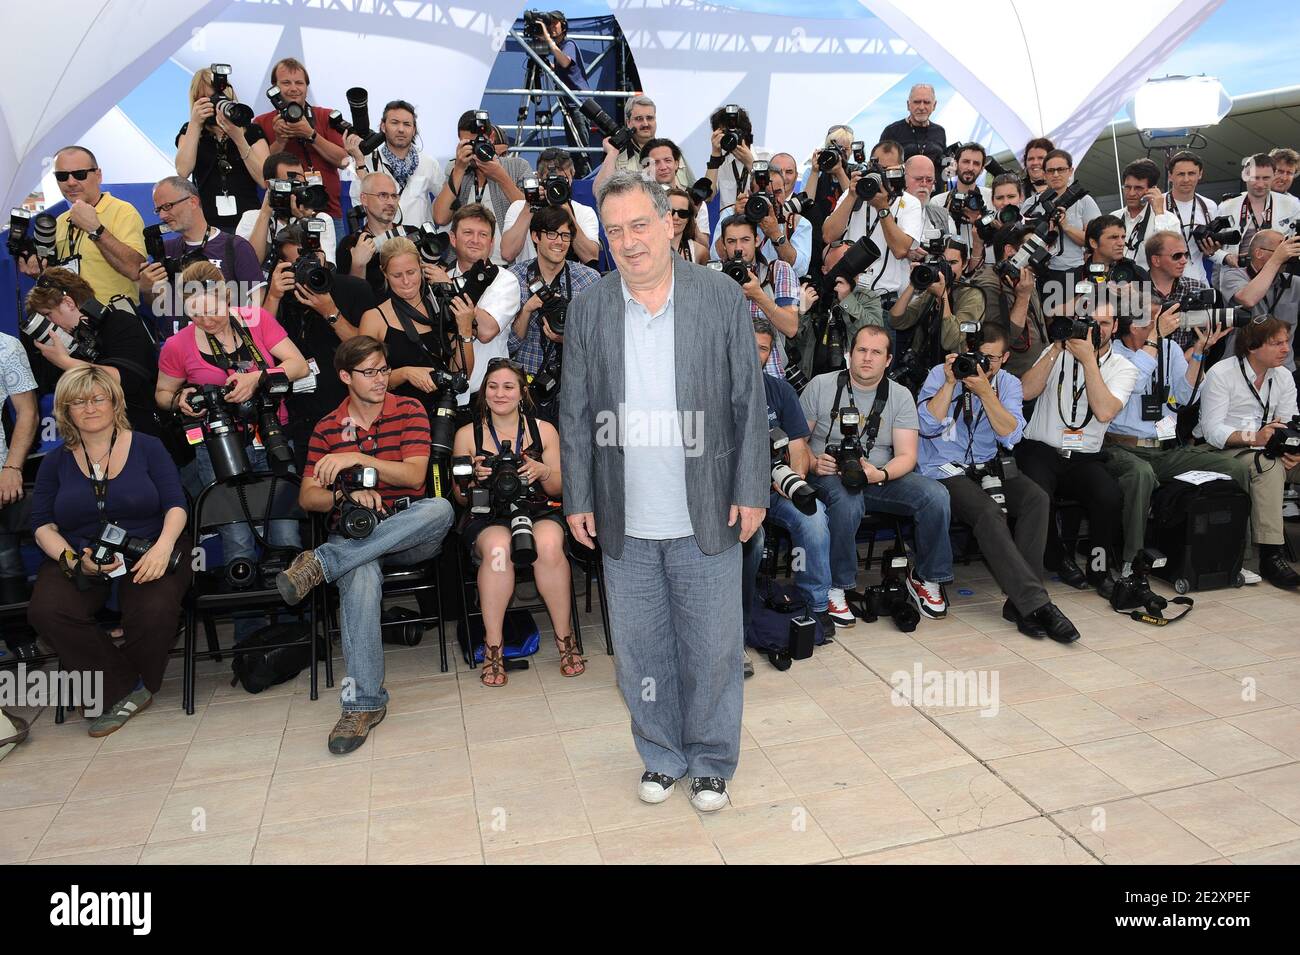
778 242
332 319
313 138
467 339
884 213
97 234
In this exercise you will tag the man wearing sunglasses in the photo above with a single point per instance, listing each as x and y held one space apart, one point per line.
370 429
100 238
176 202
1267 283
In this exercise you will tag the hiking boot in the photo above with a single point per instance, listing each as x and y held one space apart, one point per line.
296 581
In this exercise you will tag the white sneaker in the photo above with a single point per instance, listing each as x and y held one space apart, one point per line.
655 787
1250 577
708 793
928 597
838 609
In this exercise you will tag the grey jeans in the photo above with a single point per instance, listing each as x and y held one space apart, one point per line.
679 653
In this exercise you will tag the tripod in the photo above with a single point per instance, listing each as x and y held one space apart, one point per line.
535 78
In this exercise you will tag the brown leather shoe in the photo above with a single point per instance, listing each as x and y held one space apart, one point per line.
352 729
296 581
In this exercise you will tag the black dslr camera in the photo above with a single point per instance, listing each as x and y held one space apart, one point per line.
731 134
618 135
555 306
760 203
926 273
1284 440
992 476
1219 229
959 202
877 179
969 364
111 542
41 241
1133 592
434 246
481 146
224 425
442 423
536 26
289 112
311 196
736 268
504 493
236 113
308 270
356 521
1065 327
1033 253
848 452
830 156
785 479
889 598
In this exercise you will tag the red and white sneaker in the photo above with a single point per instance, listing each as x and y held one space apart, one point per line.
929 597
838 609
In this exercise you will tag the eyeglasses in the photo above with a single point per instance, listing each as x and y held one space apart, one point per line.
551 235
77 174
371 372
386 196
94 401
168 206
682 213
1056 170
1178 256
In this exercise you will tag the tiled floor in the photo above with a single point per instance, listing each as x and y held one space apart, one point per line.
1138 744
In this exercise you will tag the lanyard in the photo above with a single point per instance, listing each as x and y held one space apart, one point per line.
519 439
1247 211
97 481
1241 363
1078 393
741 177
219 351
1197 203
1138 231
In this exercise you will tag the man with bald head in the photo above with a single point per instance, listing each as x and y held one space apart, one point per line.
915 132
100 238
1262 284
358 253
789 240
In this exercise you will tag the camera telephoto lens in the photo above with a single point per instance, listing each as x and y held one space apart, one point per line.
523 544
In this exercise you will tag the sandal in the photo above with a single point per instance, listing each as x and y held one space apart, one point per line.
569 659
494 666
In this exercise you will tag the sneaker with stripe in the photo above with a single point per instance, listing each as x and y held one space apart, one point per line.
928 596
837 608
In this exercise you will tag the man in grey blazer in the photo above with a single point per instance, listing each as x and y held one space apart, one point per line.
663 435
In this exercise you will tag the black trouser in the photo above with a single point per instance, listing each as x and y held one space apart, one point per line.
1016 562
1081 476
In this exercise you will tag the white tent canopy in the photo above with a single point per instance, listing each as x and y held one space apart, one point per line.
795 74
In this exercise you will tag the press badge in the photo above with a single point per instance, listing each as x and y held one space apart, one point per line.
1167 428
951 470
73 265
1072 439
227 206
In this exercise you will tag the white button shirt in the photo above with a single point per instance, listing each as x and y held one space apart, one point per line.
1228 404
501 301
1046 426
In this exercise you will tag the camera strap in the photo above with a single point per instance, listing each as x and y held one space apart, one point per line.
1078 392
1197 203
1247 215
408 315
1138 231
242 333
872 426
99 482
1263 403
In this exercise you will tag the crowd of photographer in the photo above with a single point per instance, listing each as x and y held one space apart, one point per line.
935 349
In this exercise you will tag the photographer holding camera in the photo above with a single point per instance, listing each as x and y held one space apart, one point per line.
792 505
110 337
1106 261
731 150
481 174
831 313
914 132
1142 450
865 461
1057 281
1062 445
1267 285
304 131
1011 300
894 222
966 202
1144 212
520 473
1194 212
176 202
1248 409
937 302
221 150
225 358
775 296
639 116
564 52
825 181
380 441
1168 260
108 505
553 164
784 234
260 226
358 253
100 237
416 174
969 425
317 321
1258 207
532 340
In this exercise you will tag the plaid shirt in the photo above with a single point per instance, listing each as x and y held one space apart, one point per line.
528 349
1186 283
779 279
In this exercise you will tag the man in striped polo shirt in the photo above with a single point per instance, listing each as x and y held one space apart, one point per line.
370 429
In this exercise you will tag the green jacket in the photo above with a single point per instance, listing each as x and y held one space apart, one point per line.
968 307
861 307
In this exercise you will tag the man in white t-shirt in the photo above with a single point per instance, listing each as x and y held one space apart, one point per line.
1071 226
1144 213
1193 211
1080 386
516 240
958 201
418 175
1259 207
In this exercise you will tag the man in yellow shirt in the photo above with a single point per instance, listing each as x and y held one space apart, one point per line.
99 237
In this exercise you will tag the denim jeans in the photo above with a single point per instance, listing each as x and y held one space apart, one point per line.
911 495
680 661
408 537
237 539
812 537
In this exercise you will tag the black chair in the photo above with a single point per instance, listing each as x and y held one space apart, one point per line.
211 596
399 581
593 566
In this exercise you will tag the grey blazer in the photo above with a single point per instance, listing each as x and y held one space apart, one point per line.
718 377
